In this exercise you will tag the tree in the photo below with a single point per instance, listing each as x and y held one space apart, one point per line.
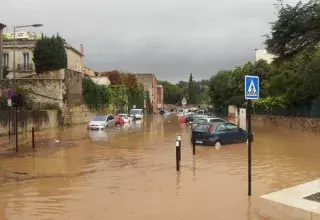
296 29
50 54
131 82
114 77
191 95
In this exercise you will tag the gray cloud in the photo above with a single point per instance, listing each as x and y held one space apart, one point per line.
170 38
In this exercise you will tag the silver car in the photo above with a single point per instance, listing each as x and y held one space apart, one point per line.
101 122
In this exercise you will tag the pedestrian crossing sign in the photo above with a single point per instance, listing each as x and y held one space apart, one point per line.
251 87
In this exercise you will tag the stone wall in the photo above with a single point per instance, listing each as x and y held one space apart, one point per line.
80 114
296 122
28 119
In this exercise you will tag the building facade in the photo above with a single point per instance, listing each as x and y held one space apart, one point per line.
150 85
101 80
24 65
160 97
264 55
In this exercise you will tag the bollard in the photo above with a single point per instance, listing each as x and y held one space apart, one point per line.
33 137
193 142
177 156
179 139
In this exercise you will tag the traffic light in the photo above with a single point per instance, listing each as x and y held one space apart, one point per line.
17 100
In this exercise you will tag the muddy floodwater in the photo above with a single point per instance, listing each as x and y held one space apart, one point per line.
130 173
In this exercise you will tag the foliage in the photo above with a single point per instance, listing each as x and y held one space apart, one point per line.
96 96
296 29
114 77
49 54
173 93
290 84
120 96
26 94
191 95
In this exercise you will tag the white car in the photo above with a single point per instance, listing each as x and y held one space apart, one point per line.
136 113
101 122
214 119
126 117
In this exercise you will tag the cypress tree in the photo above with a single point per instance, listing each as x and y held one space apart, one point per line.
49 54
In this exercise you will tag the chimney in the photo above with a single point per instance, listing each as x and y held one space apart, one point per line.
81 49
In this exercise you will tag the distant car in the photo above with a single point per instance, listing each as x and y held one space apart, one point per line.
136 113
218 133
101 122
126 117
164 112
215 119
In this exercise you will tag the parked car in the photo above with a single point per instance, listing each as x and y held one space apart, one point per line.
126 117
164 112
197 121
218 133
215 119
101 122
136 113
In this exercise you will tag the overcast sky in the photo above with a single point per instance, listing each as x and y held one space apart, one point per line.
170 38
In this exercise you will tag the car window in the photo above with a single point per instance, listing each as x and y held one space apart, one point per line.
216 120
99 118
110 117
232 127
202 127
202 120
222 127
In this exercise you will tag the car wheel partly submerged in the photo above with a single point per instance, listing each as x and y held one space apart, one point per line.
217 144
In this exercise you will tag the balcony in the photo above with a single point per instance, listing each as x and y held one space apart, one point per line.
25 67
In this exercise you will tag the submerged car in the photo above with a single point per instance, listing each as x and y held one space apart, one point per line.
136 113
101 122
164 112
218 133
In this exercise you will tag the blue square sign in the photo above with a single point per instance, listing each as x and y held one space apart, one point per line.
251 87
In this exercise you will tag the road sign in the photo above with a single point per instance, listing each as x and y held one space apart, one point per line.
134 106
9 102
9 93
251 87
184 101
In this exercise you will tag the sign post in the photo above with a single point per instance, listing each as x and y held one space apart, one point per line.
9 100
184 102
251 90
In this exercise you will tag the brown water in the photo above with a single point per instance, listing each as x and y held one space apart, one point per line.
130 174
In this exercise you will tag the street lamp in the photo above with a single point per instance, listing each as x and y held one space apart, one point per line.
14 47
2 26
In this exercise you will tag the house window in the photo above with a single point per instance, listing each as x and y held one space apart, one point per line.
6 60
25 60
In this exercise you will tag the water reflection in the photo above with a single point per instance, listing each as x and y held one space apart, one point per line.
98 135
130 173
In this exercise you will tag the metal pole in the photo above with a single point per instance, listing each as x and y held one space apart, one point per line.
14 56
193 143
177 156
16 128
33 137
249 146
179 139
9 117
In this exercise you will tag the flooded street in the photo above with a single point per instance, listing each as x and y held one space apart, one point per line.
130 173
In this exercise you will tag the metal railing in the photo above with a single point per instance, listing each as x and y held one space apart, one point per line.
25 67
